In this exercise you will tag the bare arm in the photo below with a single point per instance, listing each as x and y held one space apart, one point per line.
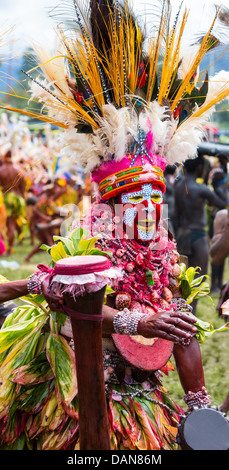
189 366
220 243
212 198
13 290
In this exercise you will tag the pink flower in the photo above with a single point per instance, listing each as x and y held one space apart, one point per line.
130 267
104 216
139 259
116 219
155 296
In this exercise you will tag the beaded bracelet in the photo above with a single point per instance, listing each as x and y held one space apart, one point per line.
126 322
34 285
197 399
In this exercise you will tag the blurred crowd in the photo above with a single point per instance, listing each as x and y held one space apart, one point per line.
195 194
36 182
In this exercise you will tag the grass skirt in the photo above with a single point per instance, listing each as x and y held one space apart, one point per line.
144 421
140 422
38 394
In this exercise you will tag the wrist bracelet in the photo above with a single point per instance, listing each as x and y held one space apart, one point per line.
126 322
197 399
34 285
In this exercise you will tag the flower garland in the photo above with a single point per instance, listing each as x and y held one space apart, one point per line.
150 277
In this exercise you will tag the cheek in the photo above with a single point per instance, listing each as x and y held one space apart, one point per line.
129 216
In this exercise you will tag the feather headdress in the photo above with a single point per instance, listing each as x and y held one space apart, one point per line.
117 93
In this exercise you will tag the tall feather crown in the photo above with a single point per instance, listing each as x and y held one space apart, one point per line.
128 105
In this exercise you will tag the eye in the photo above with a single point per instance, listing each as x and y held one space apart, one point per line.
135 198
156 197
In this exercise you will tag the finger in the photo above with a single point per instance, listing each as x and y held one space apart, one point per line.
54 299
181 324
182 333
172 329
167 336
184 316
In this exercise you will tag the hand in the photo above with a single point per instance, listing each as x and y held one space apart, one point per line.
172 326
55 299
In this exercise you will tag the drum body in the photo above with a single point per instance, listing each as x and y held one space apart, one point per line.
204 428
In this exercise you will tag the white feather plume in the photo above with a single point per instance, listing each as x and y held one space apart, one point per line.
80 148
115 130
155 118
54 68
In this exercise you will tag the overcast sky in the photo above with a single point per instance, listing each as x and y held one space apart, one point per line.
32 23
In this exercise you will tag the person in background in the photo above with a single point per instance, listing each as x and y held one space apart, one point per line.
190 215
220 186
219 251
169 199
12 182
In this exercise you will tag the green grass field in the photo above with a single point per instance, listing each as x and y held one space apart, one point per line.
214 350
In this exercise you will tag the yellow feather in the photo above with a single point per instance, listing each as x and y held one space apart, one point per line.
209 104
172 59
35 115
154 52
199 56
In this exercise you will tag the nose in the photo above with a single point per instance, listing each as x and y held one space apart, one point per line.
150 206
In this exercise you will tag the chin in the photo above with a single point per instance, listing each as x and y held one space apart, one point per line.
145 235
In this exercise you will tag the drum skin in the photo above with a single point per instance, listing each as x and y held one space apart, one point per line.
204 428
148 357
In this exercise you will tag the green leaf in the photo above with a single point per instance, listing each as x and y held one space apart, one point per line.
86 245
198 280
59 318
185 288
68 244
190 274
149 277
58 252
21 353
32 399
198 292
45 247
109 290
206 329
62 361
35 372
95 251
183 271
16 332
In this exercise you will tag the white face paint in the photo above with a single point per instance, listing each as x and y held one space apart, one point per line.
143 203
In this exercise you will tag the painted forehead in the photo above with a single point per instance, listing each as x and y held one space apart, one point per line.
146 191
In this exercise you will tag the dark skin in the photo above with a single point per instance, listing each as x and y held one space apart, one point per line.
172 326
11 179
220 242
190 214
219 251
190 199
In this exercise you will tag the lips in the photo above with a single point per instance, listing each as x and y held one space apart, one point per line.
146 225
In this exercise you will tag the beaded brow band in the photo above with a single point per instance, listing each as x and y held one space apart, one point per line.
107 186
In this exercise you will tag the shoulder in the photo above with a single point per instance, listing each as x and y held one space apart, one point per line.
220 221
